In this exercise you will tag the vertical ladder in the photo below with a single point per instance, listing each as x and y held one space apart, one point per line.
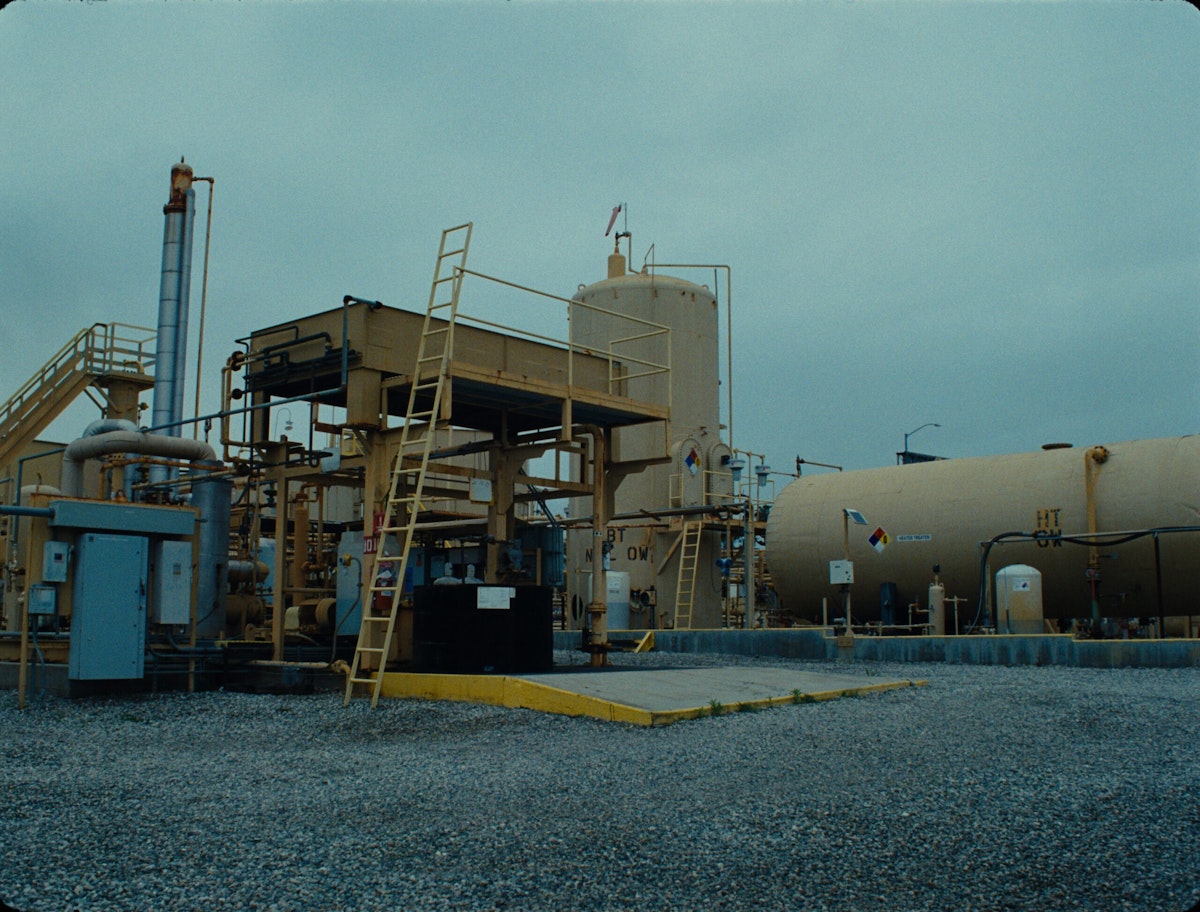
685 588
428 409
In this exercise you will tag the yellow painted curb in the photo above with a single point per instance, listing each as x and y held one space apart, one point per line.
521 693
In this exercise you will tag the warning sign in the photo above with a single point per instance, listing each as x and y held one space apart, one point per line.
879 540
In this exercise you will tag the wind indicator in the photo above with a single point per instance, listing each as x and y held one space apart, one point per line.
612 221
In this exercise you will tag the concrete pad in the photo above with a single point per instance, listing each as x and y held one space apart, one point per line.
640 696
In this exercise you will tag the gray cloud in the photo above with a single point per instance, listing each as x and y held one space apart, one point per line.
985 215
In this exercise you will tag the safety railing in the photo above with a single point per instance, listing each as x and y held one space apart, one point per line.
99 350
120 348
624 354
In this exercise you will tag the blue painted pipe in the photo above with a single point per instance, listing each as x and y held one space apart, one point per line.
14 510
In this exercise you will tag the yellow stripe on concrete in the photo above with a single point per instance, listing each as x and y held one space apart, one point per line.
520 693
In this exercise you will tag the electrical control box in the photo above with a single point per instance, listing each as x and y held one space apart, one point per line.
108 625
42 599
56 557
172 601
841 572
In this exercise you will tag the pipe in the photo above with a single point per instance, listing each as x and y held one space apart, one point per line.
104 426
171 344
211 495
104 444
203 289
1089 539
246 571
597 609
309 397
11 510
181 307
14 536
1097 456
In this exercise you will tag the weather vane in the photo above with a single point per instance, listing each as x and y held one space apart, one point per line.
617 210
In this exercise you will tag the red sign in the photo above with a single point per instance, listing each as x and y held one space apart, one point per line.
371 542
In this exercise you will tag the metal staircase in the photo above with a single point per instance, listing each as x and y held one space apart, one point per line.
685 589
428 411
104 350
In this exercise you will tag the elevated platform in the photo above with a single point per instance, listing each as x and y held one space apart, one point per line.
496 380
640 696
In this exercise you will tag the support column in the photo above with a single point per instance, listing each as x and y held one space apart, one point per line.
597 608
277 455
501 522
376 486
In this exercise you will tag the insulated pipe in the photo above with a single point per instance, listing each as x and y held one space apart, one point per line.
104 426
13 510
212 497
246 571
181 307
85 448
172 304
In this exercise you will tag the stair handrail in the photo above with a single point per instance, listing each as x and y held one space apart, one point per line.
121 348
93 349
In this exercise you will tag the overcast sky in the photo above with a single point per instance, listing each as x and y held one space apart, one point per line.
985 215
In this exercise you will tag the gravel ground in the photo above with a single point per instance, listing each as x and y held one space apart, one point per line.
991 788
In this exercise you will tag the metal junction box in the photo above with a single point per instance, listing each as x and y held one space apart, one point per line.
841 572
42 599
172 602
55 557
108 626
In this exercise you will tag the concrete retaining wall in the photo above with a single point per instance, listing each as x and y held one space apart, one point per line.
817 643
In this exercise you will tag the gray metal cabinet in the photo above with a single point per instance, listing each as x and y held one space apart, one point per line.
108 625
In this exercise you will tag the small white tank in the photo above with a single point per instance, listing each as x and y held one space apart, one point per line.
617 599
1019 599
937 609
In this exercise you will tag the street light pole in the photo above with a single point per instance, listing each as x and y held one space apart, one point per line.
910 433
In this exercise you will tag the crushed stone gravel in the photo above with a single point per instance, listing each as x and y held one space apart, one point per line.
990 788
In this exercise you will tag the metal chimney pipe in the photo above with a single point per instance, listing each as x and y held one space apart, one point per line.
171 349
181 307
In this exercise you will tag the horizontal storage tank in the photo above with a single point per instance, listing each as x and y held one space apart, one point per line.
936 514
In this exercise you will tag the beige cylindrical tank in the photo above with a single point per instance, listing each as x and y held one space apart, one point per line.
643 548
1019 599
937 513
937 609
691 387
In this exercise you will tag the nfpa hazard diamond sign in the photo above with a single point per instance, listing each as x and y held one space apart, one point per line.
879 540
